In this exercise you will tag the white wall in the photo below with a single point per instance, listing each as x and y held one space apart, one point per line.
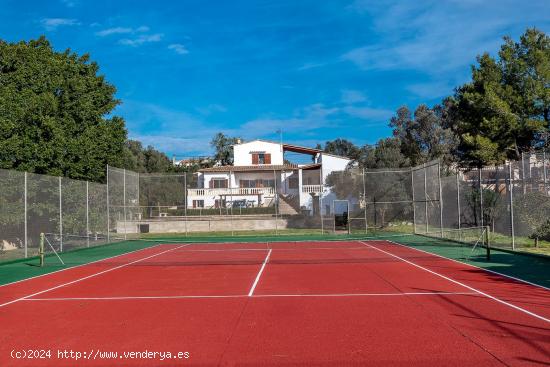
242 156
331 163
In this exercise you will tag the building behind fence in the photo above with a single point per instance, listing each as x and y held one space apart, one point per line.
512 200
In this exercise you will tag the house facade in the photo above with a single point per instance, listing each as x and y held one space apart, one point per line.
260 176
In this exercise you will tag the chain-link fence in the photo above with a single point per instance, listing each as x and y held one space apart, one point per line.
511 200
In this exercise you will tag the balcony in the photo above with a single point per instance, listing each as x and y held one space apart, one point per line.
237 191
312 189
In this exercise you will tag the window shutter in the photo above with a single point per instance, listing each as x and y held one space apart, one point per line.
254 158
267 158
211 184
226 184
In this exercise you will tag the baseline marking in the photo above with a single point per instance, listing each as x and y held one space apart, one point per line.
254 296
90 276
461 284
259 274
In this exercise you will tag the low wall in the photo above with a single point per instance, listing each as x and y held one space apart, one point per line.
203 224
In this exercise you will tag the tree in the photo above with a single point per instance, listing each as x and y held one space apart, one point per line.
385 154
55 113
342 147
424 137
504 110
222 145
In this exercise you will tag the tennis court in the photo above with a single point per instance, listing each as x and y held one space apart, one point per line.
347 302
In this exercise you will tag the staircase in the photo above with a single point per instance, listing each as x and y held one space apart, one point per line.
289 205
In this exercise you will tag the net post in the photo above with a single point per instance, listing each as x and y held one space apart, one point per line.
41 249
487 243
25 214
60 217
87 214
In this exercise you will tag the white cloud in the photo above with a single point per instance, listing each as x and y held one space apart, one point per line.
122 30
116 30
310 65
52 23
438 37
211 108
431 89
350 96
178 48
69 3
138 41
369 113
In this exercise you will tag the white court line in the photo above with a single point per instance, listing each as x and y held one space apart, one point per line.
246 296
90 276
473 266
461 284
78 266
278 249
259 275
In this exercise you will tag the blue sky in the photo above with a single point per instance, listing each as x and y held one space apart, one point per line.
319 70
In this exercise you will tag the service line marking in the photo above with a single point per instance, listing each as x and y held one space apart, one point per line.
116 298
459 283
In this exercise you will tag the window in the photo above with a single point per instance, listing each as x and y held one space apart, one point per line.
198 203
261 158
293 182
218 183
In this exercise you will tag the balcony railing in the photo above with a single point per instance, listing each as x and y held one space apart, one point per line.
232 191
312 189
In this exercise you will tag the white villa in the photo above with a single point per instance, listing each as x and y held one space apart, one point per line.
260 172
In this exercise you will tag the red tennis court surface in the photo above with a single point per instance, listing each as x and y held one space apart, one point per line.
303 303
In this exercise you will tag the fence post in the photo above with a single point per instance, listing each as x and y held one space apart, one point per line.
231 196
426 196
321 199
413 200
487 243
124 198
544 171
186 201
480 196
523 173
275 197
440 199
87 214
108 217
60 217
25 214
458 205
365 201
511 189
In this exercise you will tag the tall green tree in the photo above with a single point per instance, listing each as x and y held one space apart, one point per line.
423 137
342 147
222 145
504 110
55 112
